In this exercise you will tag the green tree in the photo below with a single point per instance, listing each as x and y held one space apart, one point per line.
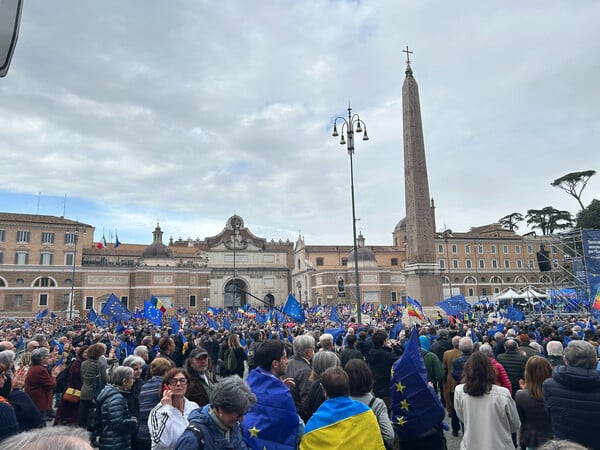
549 219
511 220
589 217
574 183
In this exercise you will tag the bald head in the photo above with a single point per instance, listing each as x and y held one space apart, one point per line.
7 345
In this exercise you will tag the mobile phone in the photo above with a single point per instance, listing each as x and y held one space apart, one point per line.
166 387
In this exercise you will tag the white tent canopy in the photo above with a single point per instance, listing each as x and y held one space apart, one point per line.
509 294
531 293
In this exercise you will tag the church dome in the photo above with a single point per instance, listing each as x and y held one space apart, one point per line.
364 255
401 226
157 249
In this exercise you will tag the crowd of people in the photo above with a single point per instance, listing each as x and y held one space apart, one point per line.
314 385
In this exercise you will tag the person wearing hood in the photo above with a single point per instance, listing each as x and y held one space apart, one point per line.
117 423
435 371
572 396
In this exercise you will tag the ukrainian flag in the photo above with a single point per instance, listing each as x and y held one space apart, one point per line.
342 423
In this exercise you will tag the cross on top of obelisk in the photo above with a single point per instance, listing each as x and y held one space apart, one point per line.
408 53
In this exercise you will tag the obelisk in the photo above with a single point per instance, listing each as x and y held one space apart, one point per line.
422 273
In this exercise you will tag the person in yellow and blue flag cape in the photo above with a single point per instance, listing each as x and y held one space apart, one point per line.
417 412
340 422
273 421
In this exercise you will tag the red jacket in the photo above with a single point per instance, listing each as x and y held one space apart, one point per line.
501 375
39 385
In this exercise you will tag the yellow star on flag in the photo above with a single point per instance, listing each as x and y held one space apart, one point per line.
401 421
392 373
253 431
400 387
404 404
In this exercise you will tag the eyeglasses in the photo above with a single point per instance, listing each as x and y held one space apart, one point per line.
202 357
240 415
175 381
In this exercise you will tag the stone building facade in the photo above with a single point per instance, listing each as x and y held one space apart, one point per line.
40 256
232 268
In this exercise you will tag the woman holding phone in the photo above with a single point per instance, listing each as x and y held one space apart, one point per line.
169 419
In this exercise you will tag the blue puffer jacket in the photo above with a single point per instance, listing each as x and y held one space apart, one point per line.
213 436
117 424
572 397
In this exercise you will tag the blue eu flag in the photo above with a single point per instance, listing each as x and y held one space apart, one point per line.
416 408
293 308
152 313
115 309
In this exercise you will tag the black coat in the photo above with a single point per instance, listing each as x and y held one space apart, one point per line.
514 364
117 423
380 361
440 346
572 397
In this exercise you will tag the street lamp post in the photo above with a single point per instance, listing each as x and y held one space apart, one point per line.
446 234
74 234
352 124
476 248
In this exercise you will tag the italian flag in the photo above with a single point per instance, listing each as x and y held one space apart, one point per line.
102 243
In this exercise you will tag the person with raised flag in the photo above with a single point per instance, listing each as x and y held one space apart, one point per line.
417 412
341 422
273 421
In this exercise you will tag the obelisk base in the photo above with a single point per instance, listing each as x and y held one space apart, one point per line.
424 283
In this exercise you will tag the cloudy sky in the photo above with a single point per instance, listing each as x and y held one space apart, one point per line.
124 113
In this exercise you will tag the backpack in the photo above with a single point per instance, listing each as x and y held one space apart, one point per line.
95 421
252 354
198 433
230 360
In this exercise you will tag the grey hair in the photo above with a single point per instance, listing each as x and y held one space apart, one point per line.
38 354
511 344
7 357
581 354
140 350
465 345
554 348
232 394
133 360
302 343
59 437
537 346
455 341
121 374
561 445
487 350
326 339
323 361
